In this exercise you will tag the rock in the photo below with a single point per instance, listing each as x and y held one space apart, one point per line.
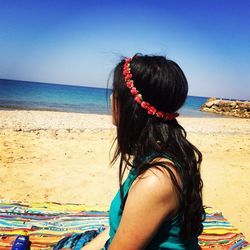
233 104
211 99
246 105
227 107
209 104
224 103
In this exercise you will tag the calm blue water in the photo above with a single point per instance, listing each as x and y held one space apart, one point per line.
43 96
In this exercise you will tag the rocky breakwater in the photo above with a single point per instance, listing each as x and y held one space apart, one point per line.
227 107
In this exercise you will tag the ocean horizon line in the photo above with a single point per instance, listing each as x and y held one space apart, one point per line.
108 89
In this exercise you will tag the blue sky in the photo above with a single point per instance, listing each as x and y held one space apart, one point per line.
79 42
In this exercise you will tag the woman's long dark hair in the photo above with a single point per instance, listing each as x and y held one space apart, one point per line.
163 84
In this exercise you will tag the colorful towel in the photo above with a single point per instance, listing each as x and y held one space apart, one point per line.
47 223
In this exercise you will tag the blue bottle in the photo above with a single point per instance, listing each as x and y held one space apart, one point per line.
21 243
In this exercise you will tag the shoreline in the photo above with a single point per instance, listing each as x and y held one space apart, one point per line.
64 157
196 113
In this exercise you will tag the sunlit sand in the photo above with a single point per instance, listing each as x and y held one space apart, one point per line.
64 157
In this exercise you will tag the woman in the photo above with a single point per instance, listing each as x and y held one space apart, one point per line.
159 206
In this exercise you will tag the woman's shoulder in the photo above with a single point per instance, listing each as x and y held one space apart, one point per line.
156 184
159 174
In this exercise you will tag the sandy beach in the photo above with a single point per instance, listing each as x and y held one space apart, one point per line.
64 157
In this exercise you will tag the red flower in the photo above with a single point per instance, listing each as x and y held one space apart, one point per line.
128 60
128 77
160 114
145 105
134 91
138 99
130 84
125 72
151 110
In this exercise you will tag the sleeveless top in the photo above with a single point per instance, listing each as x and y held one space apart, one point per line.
168 235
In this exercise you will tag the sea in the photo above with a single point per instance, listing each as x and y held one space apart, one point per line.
26 95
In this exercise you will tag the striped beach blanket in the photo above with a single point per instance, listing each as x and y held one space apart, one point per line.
47 223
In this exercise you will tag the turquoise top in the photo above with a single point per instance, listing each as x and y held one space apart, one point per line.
168 235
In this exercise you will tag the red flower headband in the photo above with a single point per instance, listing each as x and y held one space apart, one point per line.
138 97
